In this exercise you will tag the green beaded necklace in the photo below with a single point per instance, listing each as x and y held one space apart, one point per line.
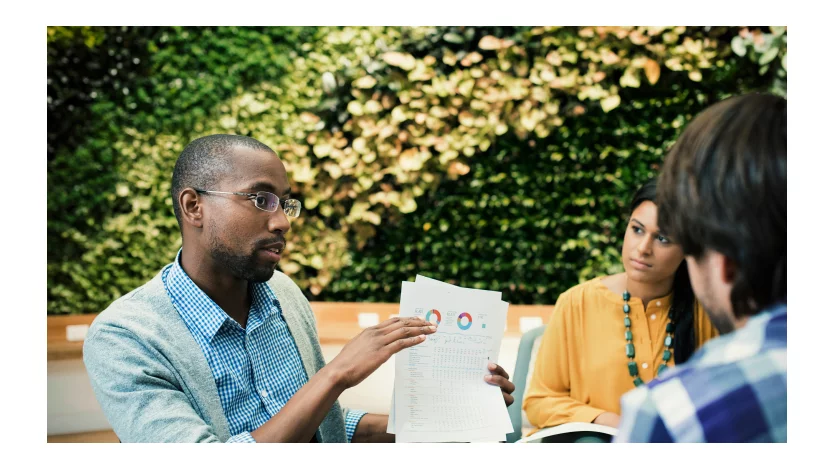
632 365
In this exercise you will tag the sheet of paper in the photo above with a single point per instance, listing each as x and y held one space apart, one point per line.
495 348
440 394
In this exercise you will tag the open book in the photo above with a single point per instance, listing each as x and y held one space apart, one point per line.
569 428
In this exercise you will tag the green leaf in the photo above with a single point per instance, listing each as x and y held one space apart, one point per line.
454 38
739 46
768 56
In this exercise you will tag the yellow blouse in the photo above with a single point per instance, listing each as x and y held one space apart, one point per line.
581 369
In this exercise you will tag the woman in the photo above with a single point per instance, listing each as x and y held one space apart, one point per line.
613 333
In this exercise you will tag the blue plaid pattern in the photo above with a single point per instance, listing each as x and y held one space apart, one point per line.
733 390
257 370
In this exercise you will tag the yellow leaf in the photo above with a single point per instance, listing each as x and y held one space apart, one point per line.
372 217
322 150
471 58
360 145
398 115
491 43
695 75
630 79
554 58
398 59
409 205
290 267
674 64
652 69
448 156
365 82
610 103
355 108
373 107
317 262
449 57
638 38
309 118
609 58
458 168
466 118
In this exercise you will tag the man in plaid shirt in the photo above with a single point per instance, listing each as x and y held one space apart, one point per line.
722 195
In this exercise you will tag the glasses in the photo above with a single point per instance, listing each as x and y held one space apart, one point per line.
265 201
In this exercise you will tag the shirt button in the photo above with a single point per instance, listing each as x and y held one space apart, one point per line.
645 365
658 303
653 316
264 393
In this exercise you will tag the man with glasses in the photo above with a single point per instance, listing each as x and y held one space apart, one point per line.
220 347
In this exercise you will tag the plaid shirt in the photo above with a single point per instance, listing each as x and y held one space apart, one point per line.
257 370
733 390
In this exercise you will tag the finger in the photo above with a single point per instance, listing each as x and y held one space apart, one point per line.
387 322
407 332
508 399
405 322
401 344
496 369
506 385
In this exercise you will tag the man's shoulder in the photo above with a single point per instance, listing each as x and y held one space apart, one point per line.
145 306
700 401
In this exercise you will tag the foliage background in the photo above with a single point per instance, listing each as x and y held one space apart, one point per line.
491 157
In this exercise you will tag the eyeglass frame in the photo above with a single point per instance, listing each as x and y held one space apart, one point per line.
253 196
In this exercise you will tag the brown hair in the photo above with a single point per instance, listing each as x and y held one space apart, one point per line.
724 187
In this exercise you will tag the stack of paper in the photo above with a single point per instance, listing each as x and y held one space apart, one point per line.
439 390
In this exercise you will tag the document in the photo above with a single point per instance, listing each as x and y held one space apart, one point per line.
439 390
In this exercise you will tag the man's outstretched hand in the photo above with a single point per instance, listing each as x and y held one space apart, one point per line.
375 345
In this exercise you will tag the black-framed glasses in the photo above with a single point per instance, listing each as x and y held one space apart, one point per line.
265 201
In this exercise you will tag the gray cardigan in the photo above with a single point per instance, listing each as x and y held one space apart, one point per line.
155 385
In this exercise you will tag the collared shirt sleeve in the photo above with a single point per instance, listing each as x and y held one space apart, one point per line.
352 418
243 437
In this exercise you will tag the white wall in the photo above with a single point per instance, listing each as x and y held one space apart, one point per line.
71 406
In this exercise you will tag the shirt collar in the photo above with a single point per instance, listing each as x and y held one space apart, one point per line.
746 341
201 312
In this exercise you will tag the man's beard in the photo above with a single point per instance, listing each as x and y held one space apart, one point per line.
722 321
242 267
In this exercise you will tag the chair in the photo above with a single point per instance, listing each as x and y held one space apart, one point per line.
521 378
525 361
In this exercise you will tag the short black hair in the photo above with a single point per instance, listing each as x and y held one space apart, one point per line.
203 162
723 187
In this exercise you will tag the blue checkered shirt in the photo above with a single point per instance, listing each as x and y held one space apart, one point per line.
257 370
733 390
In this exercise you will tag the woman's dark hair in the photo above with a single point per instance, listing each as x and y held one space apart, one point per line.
682 312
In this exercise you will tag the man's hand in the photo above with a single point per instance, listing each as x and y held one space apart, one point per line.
371 348
608 419
502 379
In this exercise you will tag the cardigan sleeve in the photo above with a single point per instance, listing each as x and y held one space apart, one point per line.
138 393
